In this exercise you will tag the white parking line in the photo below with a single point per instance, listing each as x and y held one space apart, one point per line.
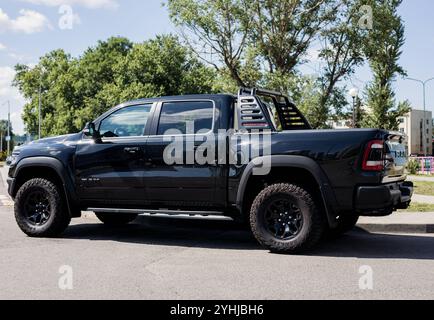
7 203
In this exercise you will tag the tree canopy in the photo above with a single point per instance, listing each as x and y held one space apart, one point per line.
77 90
264 43
227 44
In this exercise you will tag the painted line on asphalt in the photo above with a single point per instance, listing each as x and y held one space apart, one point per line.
6 201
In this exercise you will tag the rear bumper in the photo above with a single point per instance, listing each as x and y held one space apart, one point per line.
383 200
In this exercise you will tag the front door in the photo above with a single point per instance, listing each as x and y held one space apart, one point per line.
110 173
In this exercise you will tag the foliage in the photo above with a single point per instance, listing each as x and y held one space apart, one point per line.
284 30
77 90
341 53
383 50
280 31
263 42
413 166
217 27
243 43
3 155
4 133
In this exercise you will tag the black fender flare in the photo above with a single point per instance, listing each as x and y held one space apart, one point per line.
308 164
61 171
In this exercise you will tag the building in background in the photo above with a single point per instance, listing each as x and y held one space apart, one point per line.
417 134
340 124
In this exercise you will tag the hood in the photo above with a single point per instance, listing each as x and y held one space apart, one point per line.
57 140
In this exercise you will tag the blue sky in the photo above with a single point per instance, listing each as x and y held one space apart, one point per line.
30 28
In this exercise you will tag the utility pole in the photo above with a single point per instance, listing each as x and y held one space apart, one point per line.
8 137
39 110
9 128
424 135
354 93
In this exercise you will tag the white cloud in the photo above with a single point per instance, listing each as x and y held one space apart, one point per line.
7 74
8 92
2 47
91 4
28 21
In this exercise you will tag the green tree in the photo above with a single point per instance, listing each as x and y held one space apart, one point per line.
273 35
4 133
218 27
383 49
77 90
341 53
284 30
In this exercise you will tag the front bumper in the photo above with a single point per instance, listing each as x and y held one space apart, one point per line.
383 200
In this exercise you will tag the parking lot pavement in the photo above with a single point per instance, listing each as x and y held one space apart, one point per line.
166 258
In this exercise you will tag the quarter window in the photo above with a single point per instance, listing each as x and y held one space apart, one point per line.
126 122
188 117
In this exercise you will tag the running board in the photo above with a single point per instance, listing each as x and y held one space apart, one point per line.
161 211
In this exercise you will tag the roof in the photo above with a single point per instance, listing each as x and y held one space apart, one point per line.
180 97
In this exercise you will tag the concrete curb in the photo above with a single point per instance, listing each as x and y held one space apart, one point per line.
397 228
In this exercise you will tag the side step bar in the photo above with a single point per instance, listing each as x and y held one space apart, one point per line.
160 211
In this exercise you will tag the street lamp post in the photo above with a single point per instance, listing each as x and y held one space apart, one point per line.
354 93
423 83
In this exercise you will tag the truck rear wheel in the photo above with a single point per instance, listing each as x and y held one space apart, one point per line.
285 219
40 210
114 219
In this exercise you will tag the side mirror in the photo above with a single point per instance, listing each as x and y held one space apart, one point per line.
90 131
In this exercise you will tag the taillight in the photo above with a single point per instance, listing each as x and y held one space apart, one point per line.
373 159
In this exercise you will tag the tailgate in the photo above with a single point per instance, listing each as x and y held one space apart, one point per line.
396 157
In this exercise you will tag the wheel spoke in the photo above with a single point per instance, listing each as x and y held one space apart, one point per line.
283 219
37 207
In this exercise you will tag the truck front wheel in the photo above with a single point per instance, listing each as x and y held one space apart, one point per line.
40 210
285 219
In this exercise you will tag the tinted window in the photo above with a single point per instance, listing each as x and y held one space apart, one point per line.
176 115
126 122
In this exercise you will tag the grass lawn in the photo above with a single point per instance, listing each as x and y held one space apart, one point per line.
424 188
419 207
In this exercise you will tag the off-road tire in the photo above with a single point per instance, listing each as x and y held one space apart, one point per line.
115 219
312 228
59 217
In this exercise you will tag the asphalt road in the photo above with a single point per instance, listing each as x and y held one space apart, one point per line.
163 258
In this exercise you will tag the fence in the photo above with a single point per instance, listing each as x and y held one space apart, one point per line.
426 165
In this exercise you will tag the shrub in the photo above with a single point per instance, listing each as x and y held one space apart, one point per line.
413 166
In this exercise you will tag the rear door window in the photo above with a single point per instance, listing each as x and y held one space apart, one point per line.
188 117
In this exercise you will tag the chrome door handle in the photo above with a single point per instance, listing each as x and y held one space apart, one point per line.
133 150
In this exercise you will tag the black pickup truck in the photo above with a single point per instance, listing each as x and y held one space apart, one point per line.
263 164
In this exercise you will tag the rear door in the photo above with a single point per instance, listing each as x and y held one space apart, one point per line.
184 183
